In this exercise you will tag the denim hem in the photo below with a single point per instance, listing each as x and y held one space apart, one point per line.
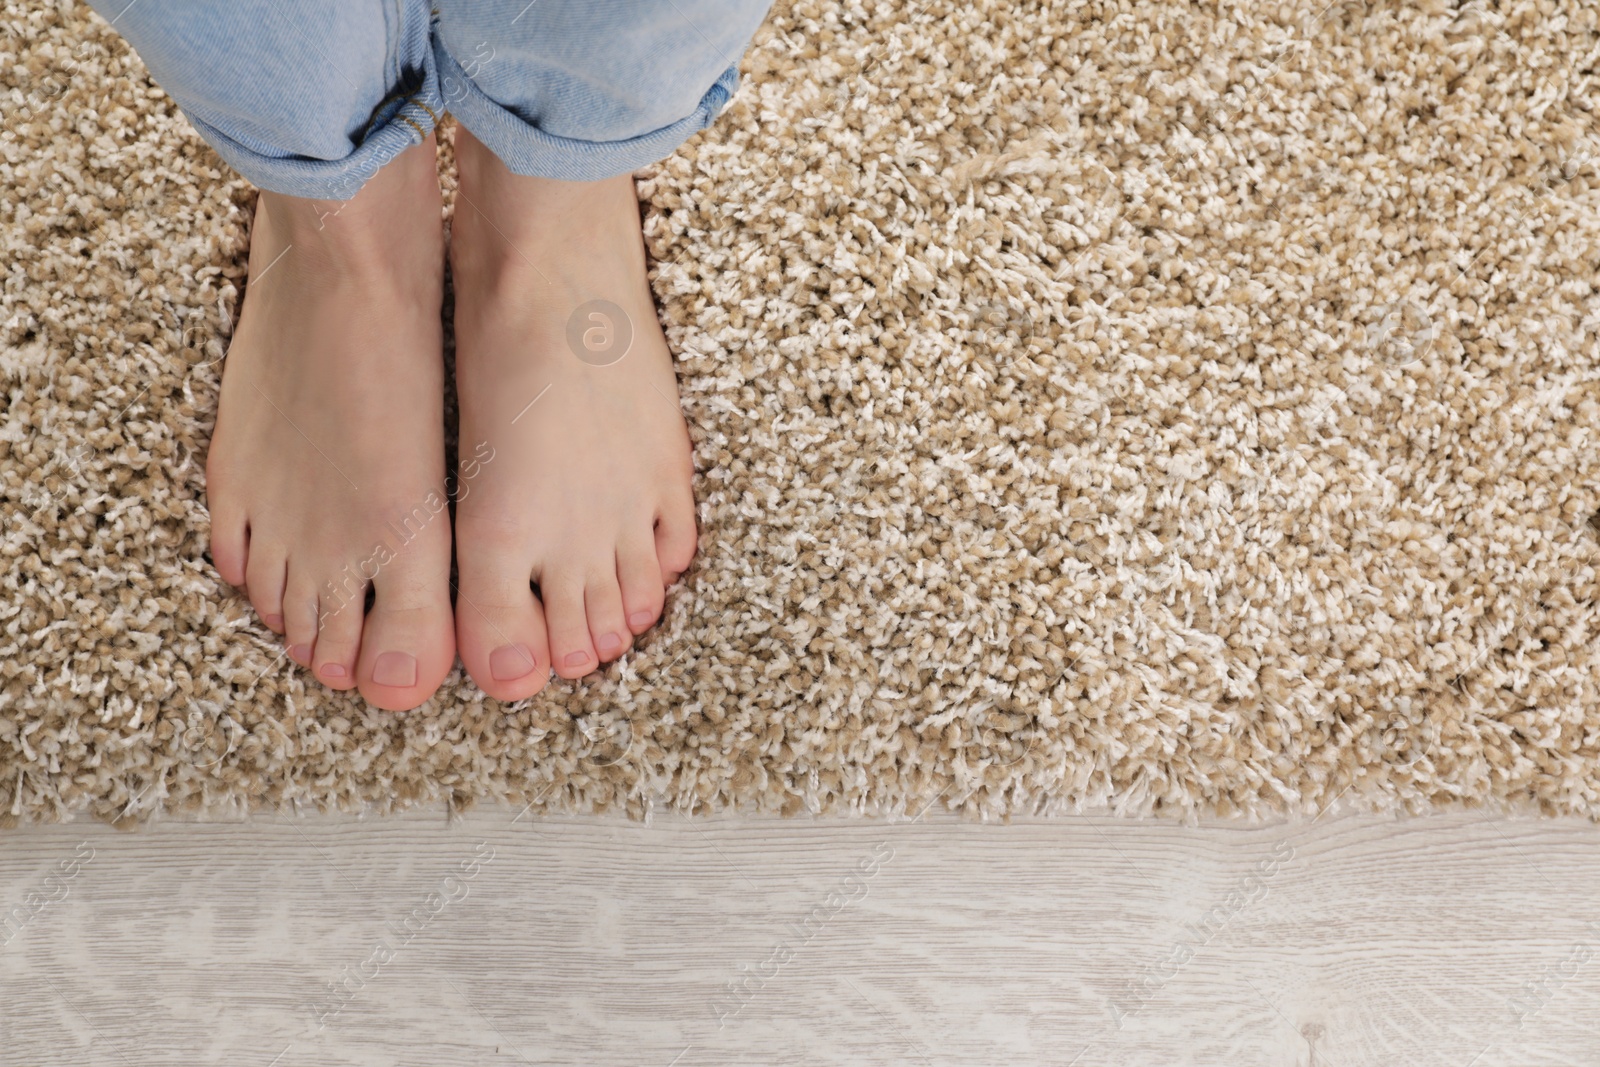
525 149
335 179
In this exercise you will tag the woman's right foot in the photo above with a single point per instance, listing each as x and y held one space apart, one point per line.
326 470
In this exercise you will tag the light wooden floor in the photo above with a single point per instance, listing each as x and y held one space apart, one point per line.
1458 941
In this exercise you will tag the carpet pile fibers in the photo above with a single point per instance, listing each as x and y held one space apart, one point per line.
1177 408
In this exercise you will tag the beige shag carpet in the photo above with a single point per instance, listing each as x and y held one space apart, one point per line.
1181 408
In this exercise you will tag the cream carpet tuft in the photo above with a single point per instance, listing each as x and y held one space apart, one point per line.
1182 408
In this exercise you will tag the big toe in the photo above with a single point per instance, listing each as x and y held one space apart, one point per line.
499 625
407 644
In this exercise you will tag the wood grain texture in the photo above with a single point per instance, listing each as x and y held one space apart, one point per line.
1453 940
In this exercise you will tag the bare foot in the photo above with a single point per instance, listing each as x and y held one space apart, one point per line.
589 496
326 471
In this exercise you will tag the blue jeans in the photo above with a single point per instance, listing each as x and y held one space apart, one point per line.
310 97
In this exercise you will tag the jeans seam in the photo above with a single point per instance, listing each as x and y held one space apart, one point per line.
399 41
391 97
432 114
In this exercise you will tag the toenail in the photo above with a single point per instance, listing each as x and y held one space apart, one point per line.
334 670
274 622
641 619
509 662
300 653
577 659
396 669
608 644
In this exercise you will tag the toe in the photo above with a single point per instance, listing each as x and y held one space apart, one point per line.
500 626
408 643
265 573
300 615
608 626
675 535
643 590
229 542
340 614
571 653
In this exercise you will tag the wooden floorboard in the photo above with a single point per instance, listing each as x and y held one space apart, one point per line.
1453 940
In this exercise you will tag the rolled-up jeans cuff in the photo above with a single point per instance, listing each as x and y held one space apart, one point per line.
398 124
525 149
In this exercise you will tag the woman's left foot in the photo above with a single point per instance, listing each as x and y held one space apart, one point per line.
565 379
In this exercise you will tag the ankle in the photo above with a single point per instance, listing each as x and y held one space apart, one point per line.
394 220
542 243
547 211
